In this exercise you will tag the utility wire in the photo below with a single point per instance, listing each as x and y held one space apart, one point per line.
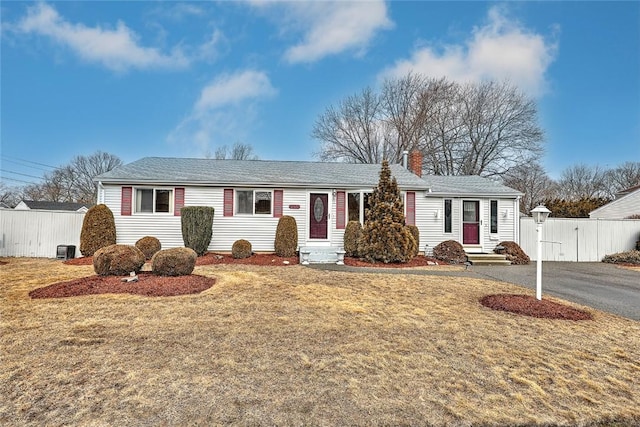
26 166
18 173
16 180
29 161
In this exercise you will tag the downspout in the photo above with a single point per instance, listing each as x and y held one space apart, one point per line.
516 220
100 198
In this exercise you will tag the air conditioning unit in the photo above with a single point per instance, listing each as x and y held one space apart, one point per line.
66 252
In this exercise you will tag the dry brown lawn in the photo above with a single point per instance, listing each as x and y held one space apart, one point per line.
294 346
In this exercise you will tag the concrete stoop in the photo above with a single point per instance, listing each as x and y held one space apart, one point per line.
487 259
321 255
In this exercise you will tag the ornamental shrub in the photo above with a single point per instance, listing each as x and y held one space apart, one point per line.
117 260
241 249
174 262
384 235
149 245
513 253
415 233
98 230
197 227
450 251
286 241
630 257
352 235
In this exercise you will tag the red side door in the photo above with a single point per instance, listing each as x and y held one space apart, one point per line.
471 222
318 215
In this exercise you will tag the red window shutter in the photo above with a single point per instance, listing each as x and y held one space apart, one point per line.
228 202
178 201
340 210
411 208
125 203
277 203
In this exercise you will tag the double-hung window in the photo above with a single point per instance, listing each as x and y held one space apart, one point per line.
254 202
154 200
358 206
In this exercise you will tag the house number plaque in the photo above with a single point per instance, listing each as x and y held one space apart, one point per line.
294 206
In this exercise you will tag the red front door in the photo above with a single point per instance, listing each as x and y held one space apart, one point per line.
471 222
318 214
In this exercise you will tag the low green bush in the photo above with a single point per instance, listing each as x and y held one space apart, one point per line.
352 235
174 262
117 260
513 252
241 249
149 245
286 241
450 251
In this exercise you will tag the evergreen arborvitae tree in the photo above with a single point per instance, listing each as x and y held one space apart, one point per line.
384 235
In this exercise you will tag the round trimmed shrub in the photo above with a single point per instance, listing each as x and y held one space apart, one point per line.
149 245
513 253
450 251
352 235
98 230
174 262
286 241
117 260
197 227
241 249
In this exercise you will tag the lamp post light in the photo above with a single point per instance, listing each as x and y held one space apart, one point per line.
540 214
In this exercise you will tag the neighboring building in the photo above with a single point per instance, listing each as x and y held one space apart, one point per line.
250 195
52 206
626 204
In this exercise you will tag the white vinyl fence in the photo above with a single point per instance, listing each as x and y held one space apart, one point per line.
582 240
36 233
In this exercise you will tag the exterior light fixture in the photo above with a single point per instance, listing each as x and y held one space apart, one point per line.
540 214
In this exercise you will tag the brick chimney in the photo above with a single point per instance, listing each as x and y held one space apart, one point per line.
415 162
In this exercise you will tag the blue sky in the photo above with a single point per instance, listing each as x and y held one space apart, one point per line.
142 79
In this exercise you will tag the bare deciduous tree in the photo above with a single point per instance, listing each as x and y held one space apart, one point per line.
624 176
238 151
582 182
353 131
485 128
84 168
532 180
73 182
9 196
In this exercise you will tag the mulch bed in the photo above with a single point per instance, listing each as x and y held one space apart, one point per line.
530 306
147 285
211 258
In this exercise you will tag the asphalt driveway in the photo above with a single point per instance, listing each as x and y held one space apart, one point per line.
594 284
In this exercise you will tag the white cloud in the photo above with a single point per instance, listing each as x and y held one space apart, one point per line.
117 49
225 111
501 49
329 28
233 89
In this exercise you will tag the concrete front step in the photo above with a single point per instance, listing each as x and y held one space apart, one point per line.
487 259
321 255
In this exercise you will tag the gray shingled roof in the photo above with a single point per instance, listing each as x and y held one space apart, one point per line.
184 171
55 206
160 170
467 185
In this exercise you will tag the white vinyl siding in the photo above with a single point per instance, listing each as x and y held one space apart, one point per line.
259 230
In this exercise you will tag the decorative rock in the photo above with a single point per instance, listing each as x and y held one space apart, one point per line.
117 260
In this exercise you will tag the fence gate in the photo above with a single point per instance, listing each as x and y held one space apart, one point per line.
579 239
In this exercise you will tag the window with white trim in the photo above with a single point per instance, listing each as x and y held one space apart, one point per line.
494 217
254 202
448 216
358 205
154 200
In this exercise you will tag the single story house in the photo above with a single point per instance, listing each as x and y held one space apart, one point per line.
52 206
249 196
626 204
